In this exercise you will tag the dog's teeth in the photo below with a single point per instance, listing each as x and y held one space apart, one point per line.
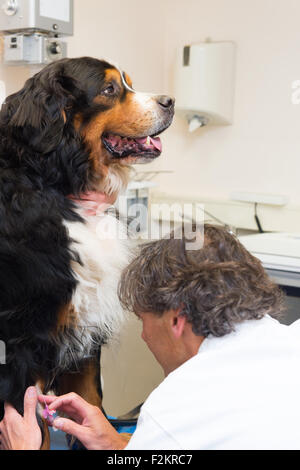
148 141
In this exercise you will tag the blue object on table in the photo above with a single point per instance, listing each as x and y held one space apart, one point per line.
58 440
123 425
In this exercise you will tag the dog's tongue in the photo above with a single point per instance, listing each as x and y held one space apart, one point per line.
135 146
155 141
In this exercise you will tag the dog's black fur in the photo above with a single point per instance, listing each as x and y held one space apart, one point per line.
42 159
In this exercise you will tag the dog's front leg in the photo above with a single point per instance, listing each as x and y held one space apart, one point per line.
86 382
46 436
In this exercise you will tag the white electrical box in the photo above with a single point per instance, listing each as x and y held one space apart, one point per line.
33 49
45 16
204 83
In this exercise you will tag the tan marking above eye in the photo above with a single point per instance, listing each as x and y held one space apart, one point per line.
112 74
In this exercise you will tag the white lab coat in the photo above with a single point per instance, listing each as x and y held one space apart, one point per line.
241 391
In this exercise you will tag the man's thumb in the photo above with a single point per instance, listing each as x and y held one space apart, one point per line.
69 427
30 403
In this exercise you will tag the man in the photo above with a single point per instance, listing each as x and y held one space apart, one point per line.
232 370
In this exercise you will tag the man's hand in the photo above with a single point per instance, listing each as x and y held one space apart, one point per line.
18 432
89 425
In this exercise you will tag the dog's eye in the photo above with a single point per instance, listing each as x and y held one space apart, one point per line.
109 90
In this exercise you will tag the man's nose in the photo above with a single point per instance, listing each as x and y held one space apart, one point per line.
166 102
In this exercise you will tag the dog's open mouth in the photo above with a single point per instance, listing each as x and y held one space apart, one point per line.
121 147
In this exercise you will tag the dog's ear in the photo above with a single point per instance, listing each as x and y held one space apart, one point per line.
37 111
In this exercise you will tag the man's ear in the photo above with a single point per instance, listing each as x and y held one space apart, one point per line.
178 323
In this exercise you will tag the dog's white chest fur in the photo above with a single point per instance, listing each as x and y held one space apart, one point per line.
104 250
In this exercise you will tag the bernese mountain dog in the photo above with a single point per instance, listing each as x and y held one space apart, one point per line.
69 135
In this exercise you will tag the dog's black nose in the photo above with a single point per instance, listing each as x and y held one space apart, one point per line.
166 101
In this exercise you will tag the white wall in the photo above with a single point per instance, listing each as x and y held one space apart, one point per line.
13 78
129 33
261 150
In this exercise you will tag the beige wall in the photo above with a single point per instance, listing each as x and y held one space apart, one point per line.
129 370
261 151
127 32
13 77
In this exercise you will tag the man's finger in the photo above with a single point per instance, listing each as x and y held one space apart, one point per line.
46 399
70 427
79 405
30 403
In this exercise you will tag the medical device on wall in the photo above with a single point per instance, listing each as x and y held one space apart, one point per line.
32 30
204 83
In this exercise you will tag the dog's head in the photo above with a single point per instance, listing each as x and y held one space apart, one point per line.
92 102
